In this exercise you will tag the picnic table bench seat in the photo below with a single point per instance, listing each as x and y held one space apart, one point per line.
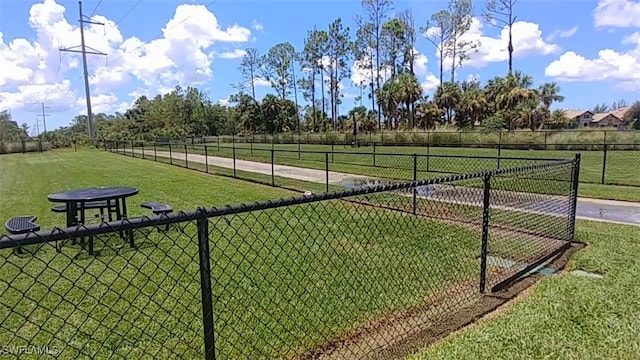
88 205
22 224
157 208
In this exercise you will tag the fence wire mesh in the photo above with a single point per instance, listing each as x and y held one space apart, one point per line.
602 163
366 272
122 302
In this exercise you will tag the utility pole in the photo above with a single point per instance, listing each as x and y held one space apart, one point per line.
84 52
44 118
37 127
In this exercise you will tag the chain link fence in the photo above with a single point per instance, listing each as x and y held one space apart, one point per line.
373 271
311 170
612 158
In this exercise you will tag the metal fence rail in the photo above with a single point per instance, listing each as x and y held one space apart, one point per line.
608 166
311 170
541 139
352 273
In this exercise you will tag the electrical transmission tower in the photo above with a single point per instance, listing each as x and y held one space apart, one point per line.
83 50
44 118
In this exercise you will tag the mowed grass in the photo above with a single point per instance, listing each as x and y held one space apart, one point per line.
566 317
285 280
622 171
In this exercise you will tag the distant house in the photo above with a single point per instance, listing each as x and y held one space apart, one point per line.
579 117
585 118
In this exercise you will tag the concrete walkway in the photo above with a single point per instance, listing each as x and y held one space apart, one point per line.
290 172
619 212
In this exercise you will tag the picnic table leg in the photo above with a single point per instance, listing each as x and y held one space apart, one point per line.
119 216
124 214
83 220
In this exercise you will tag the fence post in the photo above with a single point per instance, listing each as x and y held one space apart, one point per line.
428 156
186 156
298 147
206 159
273 174
332 150
575 178
133 153
75 146
604 163
205 284
415 178
251 144
500 150
233 153
545 139
170 154
155 153
485 231
142 143
374 154
326 171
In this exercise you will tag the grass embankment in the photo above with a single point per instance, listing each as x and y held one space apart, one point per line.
566 317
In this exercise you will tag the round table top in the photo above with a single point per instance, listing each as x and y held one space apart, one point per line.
93 194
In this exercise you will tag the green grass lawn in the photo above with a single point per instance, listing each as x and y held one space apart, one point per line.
566 317
285 280
622 166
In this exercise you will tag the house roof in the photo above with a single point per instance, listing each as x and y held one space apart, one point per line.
599 116
571 114
618 114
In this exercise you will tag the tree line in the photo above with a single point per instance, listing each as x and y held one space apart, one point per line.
381 47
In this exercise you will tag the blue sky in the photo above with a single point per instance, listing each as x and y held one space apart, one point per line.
560 41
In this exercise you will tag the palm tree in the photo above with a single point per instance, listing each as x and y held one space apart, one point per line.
474 105
549 93
447 96
410 92
427 114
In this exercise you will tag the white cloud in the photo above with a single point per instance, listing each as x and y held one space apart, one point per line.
28 67
223 102
363 71
612 65
527 41
99 103
59 97
261 82
562 34
473 77
256 26
235 54
617 13
430 83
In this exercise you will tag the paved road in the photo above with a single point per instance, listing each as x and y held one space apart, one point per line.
588 209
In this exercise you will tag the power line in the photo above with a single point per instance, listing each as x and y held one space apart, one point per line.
84 52
95 8
128 12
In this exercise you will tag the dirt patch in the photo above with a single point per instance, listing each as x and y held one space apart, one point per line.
401 334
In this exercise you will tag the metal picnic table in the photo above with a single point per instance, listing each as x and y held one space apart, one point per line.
76 204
